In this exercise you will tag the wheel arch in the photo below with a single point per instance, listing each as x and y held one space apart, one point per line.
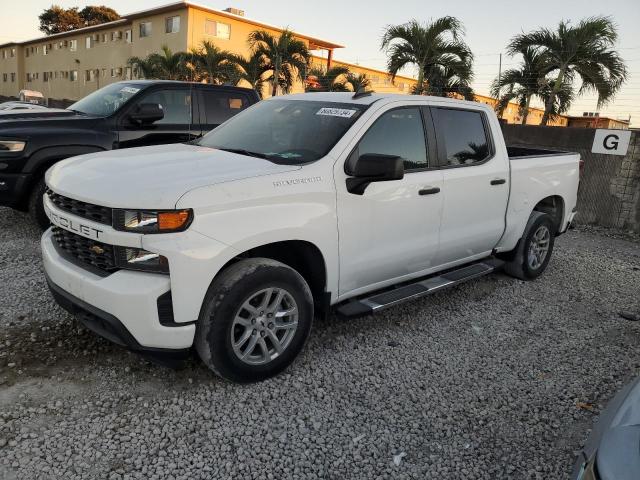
301 255
553 206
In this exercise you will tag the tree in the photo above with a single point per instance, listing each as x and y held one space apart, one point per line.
443 59
522 83
166 65
95 15
332 80
358 81
57 19
214 65
285 57
252 70
583 52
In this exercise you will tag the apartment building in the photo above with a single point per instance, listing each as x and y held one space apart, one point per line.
70 65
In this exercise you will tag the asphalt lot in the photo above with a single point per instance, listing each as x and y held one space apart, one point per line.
494 379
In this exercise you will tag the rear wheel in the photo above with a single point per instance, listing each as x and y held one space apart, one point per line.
254 321
36 205
534 249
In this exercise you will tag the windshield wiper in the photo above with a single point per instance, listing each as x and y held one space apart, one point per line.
248 153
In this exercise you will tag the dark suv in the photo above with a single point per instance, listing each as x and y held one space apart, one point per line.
120 115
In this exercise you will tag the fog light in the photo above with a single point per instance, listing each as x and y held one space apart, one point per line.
143 260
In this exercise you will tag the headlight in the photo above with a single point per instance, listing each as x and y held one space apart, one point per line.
152 221
12 146
138 259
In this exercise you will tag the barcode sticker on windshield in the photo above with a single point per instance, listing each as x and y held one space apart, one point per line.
129 90
336 112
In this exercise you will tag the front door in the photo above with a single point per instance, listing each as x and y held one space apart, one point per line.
176 126
390 232
476 185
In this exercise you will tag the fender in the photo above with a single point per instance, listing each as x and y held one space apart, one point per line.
42 159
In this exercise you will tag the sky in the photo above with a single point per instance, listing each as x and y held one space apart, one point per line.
359 25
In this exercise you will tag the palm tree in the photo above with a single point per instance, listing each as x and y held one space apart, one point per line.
331 80
584 51
443 59
522 83
252 70
285 56
358 81
166 65
213 64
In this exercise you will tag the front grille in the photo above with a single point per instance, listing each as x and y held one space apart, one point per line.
85 251
89 211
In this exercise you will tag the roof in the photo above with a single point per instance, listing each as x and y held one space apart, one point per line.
585 117
347 97
347 64
314 41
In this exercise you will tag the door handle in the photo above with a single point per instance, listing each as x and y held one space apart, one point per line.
429 191
498 181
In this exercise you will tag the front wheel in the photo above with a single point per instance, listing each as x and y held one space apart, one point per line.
534 249
254 321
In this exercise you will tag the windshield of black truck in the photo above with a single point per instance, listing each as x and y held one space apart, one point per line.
285 131
107 100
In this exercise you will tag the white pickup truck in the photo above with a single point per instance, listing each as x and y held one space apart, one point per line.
297 206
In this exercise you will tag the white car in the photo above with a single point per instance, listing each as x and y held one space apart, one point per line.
20 107
299 205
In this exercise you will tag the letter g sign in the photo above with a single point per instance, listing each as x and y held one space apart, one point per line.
611 142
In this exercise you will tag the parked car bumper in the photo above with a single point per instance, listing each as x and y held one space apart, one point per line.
122 307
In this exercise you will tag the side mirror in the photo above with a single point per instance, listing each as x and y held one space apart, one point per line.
146 113
373 167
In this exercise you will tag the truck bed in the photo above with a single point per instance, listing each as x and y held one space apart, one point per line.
516 152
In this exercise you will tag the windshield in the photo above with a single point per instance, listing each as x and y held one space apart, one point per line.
107 100
285 131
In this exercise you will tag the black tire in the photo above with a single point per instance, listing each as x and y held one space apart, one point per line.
36 205
223 304
520 264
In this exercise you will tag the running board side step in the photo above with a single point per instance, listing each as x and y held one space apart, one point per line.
389 298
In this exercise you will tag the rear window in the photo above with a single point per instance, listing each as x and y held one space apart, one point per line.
464 136
221 106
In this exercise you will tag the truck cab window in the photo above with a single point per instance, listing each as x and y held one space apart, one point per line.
463 135
398 132
221 106
175 103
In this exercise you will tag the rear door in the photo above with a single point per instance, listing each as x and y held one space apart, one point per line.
475 184
177 126
219 105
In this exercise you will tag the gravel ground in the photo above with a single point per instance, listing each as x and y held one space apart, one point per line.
494 379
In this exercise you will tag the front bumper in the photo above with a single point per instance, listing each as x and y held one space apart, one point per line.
14 189
122 307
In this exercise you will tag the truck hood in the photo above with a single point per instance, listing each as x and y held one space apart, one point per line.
152 177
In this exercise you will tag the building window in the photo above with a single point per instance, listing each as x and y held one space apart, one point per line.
116 36
13 52
217 29
88 42
127 36
128 73
89 75
73 45
13 77
26 53
73 75
28 77
4 54
4 77
104 38
45 76
172 24
145 29
45 49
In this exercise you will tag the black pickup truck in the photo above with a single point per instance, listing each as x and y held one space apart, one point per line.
120 115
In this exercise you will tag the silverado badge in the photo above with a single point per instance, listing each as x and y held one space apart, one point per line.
98 250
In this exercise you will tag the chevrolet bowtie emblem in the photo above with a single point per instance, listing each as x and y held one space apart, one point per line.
97 250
